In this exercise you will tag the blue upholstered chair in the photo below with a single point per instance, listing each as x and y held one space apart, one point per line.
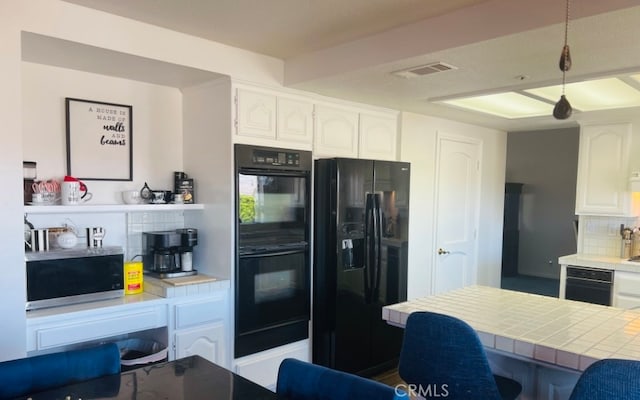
442 354
609 379
299 380
33 374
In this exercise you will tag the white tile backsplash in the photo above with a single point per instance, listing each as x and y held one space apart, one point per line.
601 235
147 222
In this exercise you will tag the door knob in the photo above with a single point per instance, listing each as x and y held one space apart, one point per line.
442 251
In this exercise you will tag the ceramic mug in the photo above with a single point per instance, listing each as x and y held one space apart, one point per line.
95 236
39 239
74 192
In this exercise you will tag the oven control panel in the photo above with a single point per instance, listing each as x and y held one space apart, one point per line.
279 158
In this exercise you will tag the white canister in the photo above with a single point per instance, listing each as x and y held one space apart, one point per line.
67 240
186 261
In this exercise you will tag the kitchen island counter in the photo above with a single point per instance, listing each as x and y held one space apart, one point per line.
603 262
547 330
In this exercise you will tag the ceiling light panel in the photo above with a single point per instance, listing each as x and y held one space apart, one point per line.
600 94
507 105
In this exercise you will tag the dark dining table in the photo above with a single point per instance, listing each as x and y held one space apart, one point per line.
190 378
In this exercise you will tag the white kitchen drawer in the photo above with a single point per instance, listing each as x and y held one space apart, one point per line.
71 330
201 312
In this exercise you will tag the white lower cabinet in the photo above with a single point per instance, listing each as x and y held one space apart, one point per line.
521 371
555 384
201 328
626 289
262 368
206 341
539 382
189 325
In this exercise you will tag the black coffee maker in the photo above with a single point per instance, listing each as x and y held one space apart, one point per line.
168 254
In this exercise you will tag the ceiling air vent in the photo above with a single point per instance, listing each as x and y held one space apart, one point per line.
422 70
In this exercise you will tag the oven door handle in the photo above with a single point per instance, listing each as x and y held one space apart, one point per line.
272 172
272 254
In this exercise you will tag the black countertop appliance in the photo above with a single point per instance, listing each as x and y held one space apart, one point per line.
168 254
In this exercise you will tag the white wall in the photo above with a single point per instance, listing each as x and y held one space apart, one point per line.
12 284
60 20
156 135
418 147
546 162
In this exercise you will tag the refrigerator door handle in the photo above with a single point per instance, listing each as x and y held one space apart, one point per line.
369 235
377 247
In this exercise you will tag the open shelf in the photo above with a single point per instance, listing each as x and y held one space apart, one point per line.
110 208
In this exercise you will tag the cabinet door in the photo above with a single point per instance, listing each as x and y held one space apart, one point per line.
262 367
255 114
378 136
335 132
603 170
554 383
295 120
206 341
626 289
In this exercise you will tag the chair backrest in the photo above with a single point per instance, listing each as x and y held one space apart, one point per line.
33 374
299 380
442 355
609 379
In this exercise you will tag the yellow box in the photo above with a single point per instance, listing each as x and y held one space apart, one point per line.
133 277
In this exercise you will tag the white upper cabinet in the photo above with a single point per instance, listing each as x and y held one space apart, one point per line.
269 115
349 132
256 114
378 136
295 120
335 132
603 170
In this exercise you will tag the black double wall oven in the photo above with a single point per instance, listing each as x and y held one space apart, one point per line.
272 273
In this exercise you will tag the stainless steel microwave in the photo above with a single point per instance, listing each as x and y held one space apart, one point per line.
69 276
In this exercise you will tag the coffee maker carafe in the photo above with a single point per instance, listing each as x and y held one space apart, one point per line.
168 254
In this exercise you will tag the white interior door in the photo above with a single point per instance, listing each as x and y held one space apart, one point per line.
456 212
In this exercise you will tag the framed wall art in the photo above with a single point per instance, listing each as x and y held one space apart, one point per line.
99 140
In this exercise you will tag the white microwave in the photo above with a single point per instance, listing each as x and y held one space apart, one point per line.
69 276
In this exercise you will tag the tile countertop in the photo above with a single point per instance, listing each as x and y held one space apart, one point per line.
612 263
184 286
564 333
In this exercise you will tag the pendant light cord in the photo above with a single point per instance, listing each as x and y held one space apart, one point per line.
565 53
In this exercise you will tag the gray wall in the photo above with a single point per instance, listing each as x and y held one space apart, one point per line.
546 162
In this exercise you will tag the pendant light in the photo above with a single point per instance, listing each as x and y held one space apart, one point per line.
562 109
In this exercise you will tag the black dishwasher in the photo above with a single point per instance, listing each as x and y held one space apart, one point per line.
590 285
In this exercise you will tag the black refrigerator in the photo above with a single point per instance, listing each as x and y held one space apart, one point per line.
361 221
